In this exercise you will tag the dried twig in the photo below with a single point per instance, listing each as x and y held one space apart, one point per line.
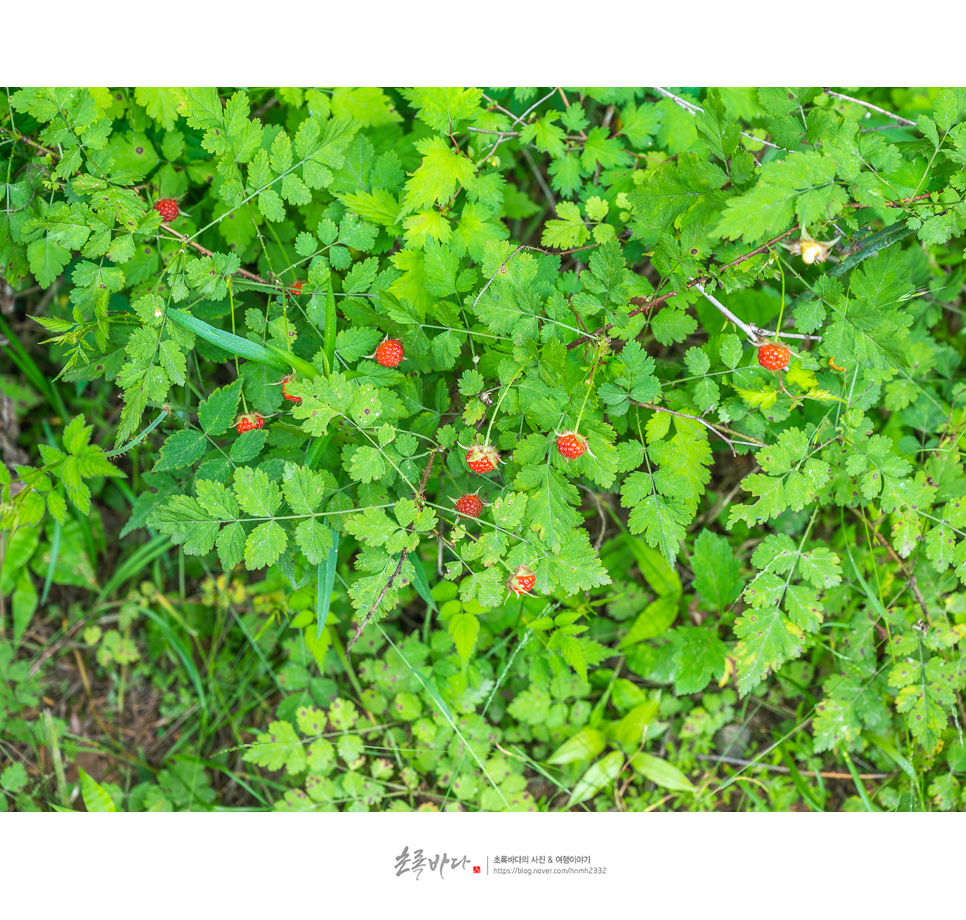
418 496
692 109
207 252
717 429
897 118
890 204
701 279
758 765
748 329
787 335
546 252
910 576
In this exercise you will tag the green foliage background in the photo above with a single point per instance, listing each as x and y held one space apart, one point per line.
746 571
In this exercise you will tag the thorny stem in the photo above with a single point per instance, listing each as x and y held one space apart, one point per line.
787 335
26 140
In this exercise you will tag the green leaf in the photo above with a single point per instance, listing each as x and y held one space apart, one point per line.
314 539
464 628
715 568
568 230
700 656
47 260
579 748
443 107
768 640
800 186
96 798
664 774
598 776
661 520
183 448
436 179
653 620
255 492
264 545
278 748
325 583
227 341
187 523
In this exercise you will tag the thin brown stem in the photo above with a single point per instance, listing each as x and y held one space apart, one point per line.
739 762
717 429
890 204
701 279
32 143
207 252
910 576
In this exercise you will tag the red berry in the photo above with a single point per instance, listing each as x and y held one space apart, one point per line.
773 357
481 458
285 382
521 581
469 506
571 445
248 422
390 353
296 288
167 208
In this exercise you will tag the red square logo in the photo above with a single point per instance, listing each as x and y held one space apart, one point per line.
476 870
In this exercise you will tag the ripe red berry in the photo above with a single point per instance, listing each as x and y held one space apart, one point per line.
469 506
296 288
248 422
571 445
773 357
481 458
167 208
521 581
285 382
390 353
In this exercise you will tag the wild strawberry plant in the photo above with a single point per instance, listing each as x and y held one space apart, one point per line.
718 326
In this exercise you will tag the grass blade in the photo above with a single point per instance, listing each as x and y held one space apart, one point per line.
859 785
326 583
228 341
331 320
803 790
